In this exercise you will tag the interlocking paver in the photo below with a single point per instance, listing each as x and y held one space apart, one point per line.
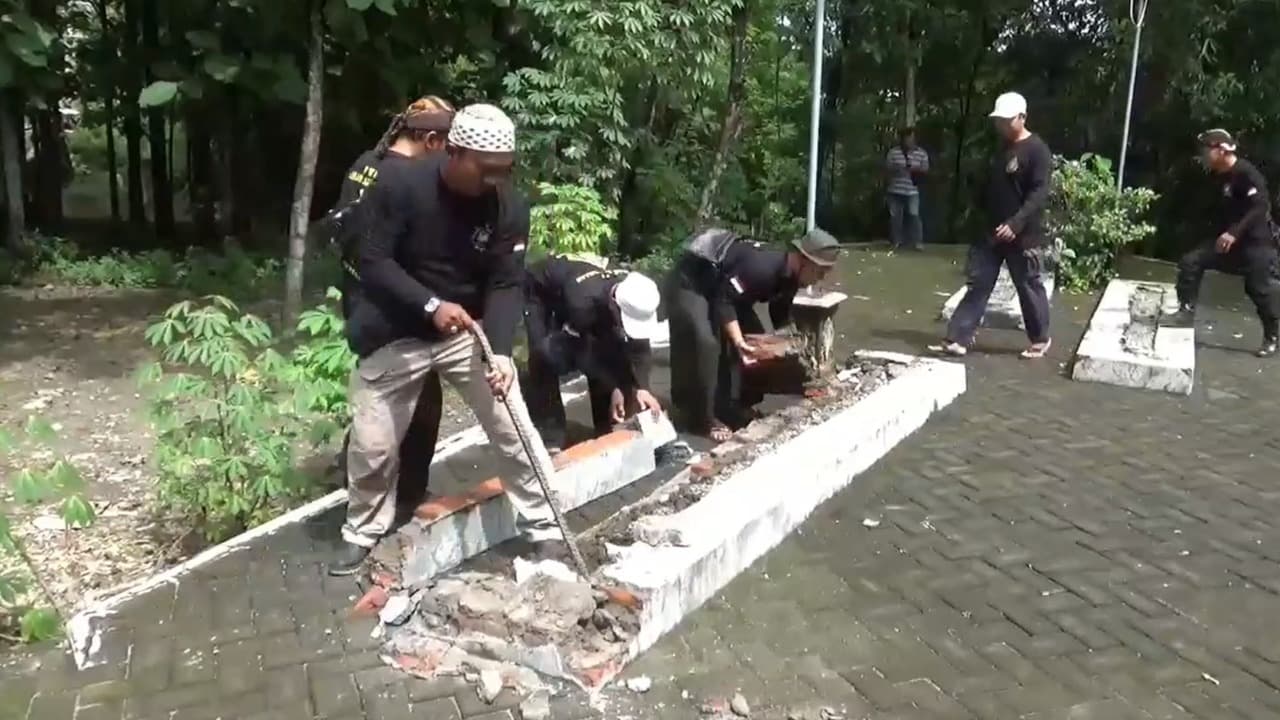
1048 549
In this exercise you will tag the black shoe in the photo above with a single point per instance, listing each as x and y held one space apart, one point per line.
1184 317
350 559
1270 347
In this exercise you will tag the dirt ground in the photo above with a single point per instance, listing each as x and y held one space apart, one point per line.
71 357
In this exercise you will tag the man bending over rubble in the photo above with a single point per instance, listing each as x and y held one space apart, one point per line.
583 317
710 295
445 251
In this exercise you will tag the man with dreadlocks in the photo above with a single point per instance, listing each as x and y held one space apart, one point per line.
414 133
444 251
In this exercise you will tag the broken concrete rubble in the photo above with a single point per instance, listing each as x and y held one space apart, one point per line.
659 558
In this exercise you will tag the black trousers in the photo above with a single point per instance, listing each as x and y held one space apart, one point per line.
1258 261
706 370
983 269
554 354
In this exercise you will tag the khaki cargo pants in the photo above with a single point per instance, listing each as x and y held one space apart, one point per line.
384 390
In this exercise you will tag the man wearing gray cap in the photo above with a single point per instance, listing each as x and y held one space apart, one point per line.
1015 194
444 250
710 298
1245 244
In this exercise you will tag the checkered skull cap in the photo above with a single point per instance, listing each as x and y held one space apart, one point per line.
483 128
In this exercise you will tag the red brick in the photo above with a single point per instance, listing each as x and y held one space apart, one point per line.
446 505
592 448
371 602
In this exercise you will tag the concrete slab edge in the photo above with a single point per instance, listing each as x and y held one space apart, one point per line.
83 628
437 546
750 513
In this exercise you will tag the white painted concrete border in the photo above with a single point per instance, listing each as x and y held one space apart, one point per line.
748 514
1102 357
431 548
84 628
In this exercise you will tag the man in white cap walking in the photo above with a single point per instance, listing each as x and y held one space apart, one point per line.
444 251
583 317
1016 191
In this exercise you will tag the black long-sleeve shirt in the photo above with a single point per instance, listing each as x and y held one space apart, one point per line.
751 273
576 296
1244 207
425 241
1017 189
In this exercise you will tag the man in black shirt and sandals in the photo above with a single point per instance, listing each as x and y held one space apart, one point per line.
711 295
583 317
445 251
1016 192
1245 244
418 131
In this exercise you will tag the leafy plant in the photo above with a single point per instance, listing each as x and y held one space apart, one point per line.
229 423
38 474
1093 220
324 363
570 219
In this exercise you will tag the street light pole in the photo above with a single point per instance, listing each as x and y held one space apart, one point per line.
1138 15
815 114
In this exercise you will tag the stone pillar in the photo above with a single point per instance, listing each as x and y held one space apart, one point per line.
814 318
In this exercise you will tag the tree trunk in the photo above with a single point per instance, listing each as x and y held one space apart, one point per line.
46 128
300 218
132 115
962 127
201 173
627 201
109 101
731 125
909 96
161 187
11 148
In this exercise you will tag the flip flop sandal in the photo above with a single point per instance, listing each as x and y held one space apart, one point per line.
1036 351
954 349
719 433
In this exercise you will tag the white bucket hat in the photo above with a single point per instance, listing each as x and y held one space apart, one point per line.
638 297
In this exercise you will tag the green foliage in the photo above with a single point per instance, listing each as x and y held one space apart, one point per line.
229 422
26 47
323 363
62 262
37 474
570 219
1094 220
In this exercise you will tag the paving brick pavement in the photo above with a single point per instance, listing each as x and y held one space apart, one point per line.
1046 549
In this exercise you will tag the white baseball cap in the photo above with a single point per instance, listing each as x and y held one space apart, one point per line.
637 297
1009 105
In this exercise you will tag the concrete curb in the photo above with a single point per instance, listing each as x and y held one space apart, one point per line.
750 513
1102 356
84 628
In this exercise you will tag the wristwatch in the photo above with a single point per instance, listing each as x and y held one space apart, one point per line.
432 306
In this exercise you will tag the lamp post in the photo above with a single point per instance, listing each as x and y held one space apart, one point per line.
815 114
1138 15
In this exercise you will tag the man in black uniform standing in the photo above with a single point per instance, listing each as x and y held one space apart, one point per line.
444 251
1016 191
1245 244
711 295
582 317
412 134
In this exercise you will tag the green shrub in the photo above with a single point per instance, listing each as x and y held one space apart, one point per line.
570 219
323 362
230 418
38 474
1094 220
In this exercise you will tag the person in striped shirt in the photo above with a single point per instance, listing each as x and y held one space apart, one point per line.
907 164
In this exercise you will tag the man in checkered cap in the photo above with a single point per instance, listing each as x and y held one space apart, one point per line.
444 251
1245 244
